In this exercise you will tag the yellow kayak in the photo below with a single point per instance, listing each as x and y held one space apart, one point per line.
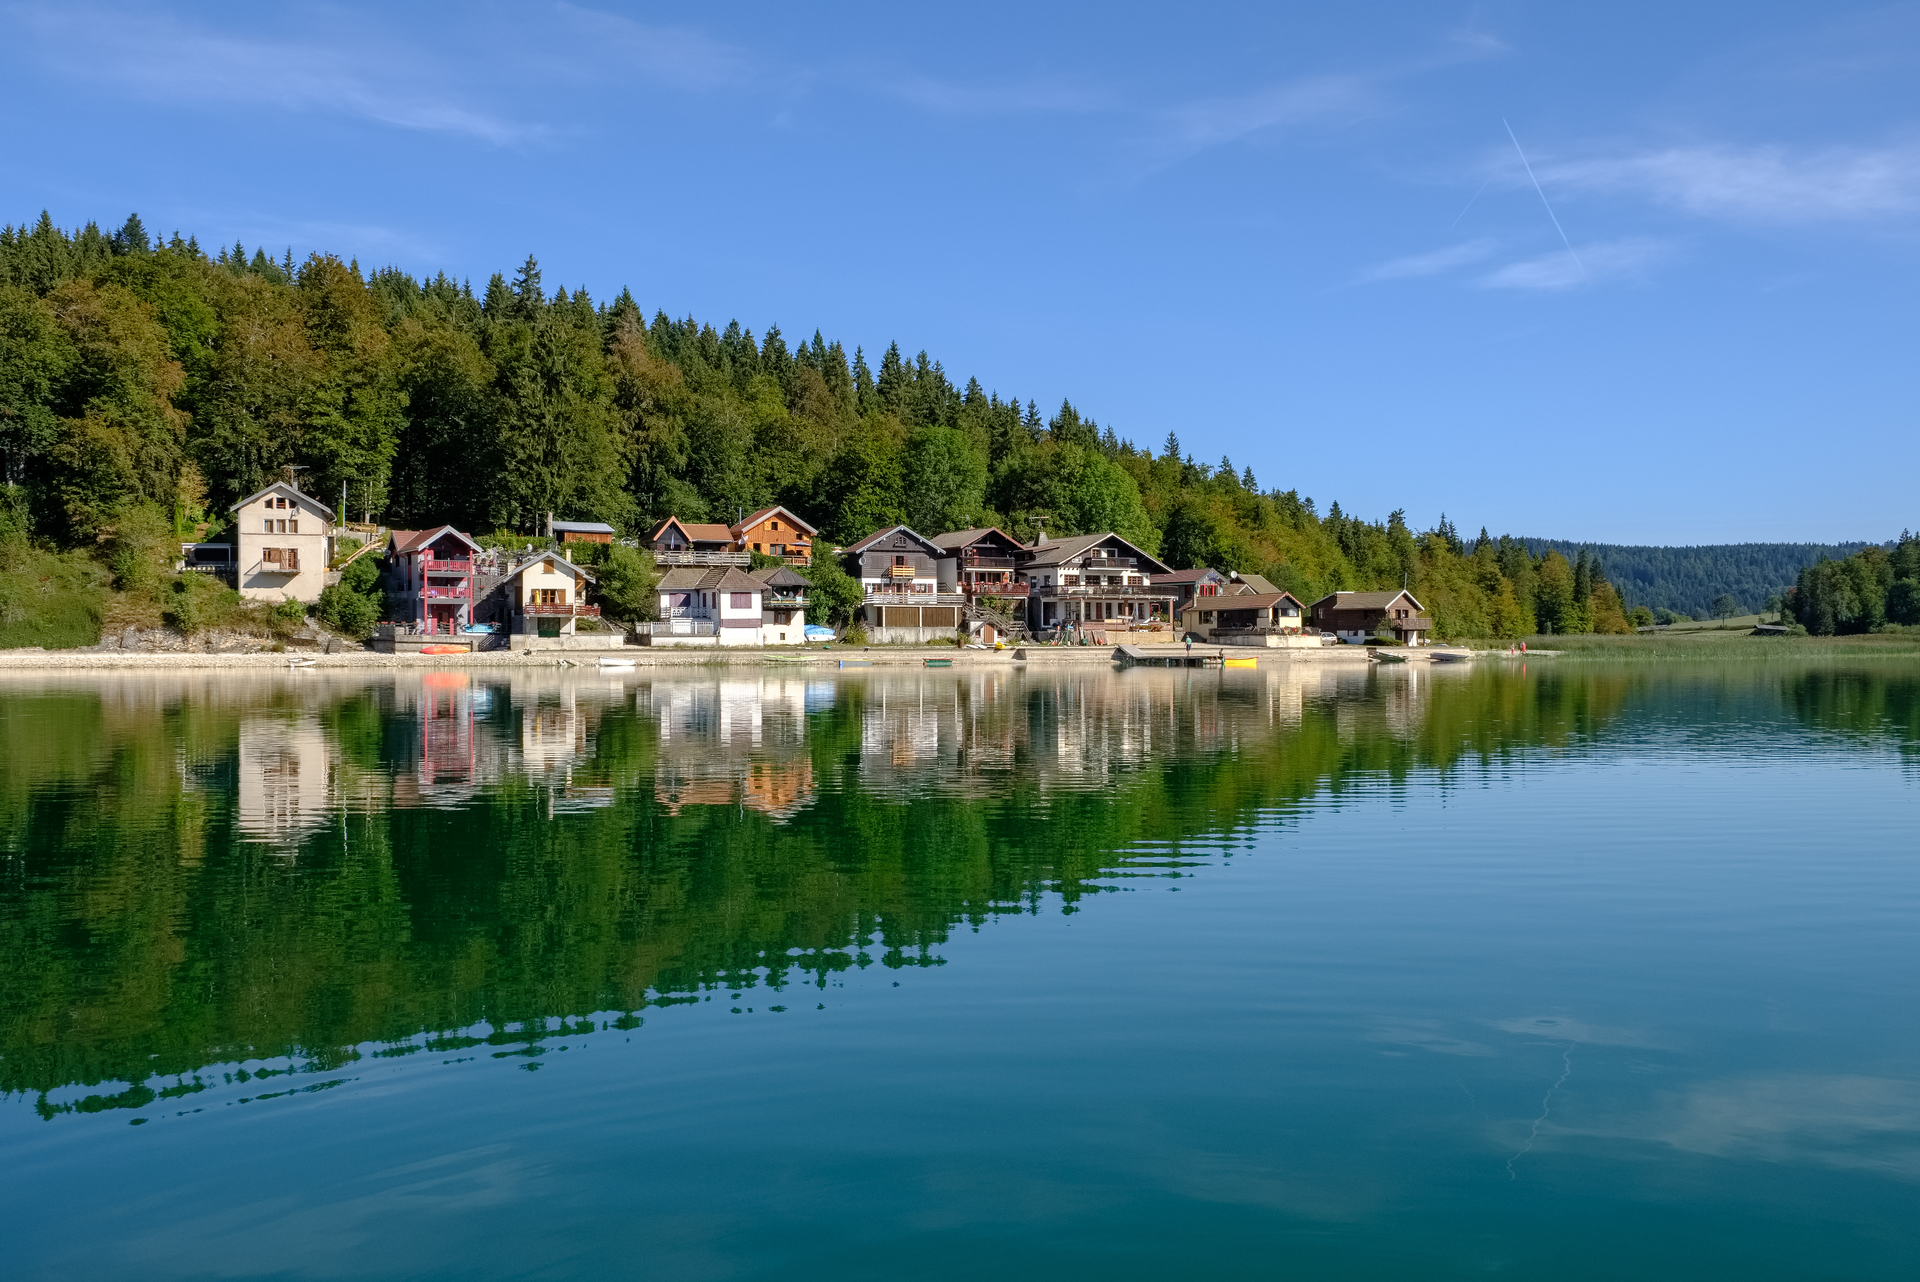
1239 663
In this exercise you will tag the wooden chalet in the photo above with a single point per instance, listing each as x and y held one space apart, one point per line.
1092 580
981 563
1358 617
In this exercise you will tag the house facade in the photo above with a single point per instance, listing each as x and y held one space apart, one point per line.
283 545
718 605
1357 617
982 564
430 575
1191 588
775 531
544 596
901 598
783 606
677 542
1094 581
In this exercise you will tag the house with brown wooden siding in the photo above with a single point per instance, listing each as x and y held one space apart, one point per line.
775 531
1357 617
901 596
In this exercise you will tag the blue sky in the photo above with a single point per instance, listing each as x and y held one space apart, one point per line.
1297 235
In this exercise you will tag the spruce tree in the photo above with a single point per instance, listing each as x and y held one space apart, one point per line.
132 237
527 298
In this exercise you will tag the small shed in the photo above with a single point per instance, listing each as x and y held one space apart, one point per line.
582 531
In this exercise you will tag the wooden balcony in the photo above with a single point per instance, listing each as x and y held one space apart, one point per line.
972 588
561 610
684 557
1081 590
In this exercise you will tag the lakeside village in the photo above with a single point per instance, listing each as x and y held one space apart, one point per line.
981 586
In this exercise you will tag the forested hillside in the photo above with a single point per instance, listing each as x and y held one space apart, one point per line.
1689 579
146 385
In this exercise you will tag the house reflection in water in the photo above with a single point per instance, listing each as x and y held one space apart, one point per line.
285 767
739 742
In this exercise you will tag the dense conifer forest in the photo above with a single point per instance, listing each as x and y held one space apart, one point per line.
1690 579
145 384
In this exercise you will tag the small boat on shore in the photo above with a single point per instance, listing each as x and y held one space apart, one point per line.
856 663
1453 656
1387 656
938 663
607 661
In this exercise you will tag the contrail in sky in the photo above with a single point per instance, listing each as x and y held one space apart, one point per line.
1543 200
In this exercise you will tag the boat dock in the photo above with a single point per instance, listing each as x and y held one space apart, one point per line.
1166 656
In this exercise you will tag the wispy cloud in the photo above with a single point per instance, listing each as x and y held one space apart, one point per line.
163 59
1596 264
1040 95
1434 263
1773 184
1214 122
674 56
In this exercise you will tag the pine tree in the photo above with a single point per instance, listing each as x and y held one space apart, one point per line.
1172 448
527 298
864 397
132 237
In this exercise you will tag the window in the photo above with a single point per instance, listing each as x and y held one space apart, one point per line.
773 525
740 600
293 527
269 556
899 560
549 596
1206 616
267 526
756 547
1209 589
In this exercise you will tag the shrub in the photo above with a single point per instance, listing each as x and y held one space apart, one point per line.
347 611
195 602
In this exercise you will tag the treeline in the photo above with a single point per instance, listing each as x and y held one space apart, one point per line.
141 378
1691 580
1868 590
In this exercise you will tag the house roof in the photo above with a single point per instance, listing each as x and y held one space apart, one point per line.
553 557
1367 600
582 527
954 540
782 576
1253 601
766 513
404 541
877 535
696 531
1256 583
714 578
1195 575
1057 550
281 487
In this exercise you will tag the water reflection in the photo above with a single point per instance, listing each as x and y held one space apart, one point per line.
211 867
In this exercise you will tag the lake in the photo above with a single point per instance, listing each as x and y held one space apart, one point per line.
1584 971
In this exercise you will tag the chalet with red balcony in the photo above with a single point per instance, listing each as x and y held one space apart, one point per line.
1192 587
1357 617
981 563
1094 581
430 579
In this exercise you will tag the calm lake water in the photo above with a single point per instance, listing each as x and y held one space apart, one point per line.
1574 972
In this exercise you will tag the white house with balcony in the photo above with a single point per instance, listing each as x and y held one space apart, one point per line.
545 596
284 543
1095 583
712 605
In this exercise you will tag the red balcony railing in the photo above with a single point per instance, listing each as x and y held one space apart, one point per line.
447 565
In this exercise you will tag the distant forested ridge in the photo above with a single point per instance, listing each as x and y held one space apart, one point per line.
1690 579
147 384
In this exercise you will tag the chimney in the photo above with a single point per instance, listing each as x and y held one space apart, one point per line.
1040 538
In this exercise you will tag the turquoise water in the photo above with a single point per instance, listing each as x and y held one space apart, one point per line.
1571 973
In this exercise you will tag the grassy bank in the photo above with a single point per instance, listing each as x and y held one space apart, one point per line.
1709 642
51 599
